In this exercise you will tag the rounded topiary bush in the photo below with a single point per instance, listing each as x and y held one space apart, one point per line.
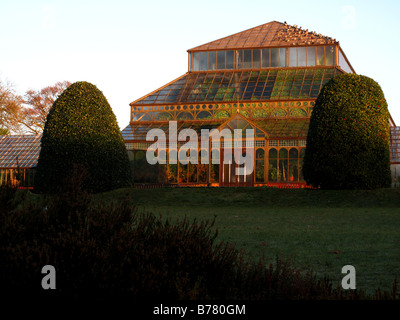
82 132
348 137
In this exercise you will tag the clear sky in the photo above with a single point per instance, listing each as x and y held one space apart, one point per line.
130 48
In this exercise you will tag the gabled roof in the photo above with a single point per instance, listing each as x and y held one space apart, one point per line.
19 151
272 34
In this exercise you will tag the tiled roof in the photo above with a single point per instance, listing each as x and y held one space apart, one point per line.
272 34
19 151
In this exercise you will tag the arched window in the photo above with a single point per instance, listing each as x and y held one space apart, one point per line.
204 115
259 169
273 165
185 116
163 116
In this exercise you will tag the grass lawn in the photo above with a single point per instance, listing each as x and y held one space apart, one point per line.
323 230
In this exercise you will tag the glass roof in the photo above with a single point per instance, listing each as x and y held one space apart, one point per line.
19 150
284 128
275 128
299 83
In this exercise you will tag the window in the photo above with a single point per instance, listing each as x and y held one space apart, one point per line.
273 165
320 56
256 58
220 60
212 60
229 59
195 61
265 58
203 61
285 164
259 170
239 59
247 59
330 56
275 57
282 57
311 56
301 57
343 64
292 57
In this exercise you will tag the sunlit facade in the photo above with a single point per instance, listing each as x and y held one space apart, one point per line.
266 78
18 158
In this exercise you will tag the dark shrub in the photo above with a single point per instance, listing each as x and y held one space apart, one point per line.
82 130
348 137
116 252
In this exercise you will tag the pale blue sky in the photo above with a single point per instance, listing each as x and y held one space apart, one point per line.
130 48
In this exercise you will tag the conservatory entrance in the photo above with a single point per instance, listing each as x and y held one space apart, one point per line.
234 173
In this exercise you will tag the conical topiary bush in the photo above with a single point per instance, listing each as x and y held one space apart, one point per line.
82 132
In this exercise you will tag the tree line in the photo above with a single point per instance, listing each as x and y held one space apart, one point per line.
26 113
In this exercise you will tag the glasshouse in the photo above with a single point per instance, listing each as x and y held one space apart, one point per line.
259 85
266 79
18 158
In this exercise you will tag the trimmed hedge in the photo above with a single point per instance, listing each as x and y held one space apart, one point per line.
82 131
348 137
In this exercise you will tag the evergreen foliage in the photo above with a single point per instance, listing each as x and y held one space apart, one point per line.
348 137
82 131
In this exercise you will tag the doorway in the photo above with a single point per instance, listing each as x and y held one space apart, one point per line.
230 175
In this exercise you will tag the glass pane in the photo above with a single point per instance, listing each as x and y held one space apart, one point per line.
172 173
163 116
273 153
293 153
185 116
203 61
239 59
320 56
215 156
221 60
273 170
212 60
202 173
265 58
204 115
260 171
229 59
311 56
343 64
256 59
293 170
195 61
330 56
247 59
283 170
292 57
260 154
301 57
283 154
275 57
282 57
183 171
